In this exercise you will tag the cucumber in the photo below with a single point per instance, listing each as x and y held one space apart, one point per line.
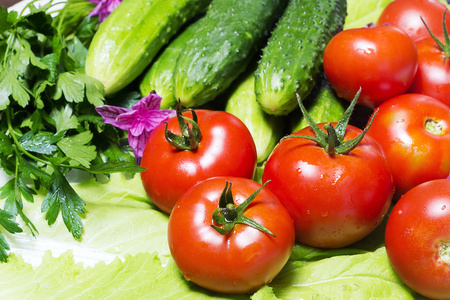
128 40
232 32
160 75
266 129
292 59
322 104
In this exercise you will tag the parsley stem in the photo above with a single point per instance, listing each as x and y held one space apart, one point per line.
16 141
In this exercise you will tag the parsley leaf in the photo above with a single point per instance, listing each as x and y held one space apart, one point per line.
62 197
76 148
7 221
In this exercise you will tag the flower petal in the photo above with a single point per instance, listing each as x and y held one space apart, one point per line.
110 113
137 143
149 102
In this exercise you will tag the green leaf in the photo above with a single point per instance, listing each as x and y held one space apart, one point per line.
10 85
30 170
43 142
6 147
62 197
69 86
95 91
361 13
7 221
116 167
76 148
64 118
4 24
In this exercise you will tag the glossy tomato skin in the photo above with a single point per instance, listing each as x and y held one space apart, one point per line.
333 200
226 149
241 261
381 60
417 232
405 14
414 154
433 72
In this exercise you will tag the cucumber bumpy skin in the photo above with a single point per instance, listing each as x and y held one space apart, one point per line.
160 75
292 59
232 32
128 40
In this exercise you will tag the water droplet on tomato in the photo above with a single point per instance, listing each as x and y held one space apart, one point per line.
324 213
443 207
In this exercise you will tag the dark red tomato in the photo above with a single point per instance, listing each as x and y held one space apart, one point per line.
334 200
405 14
433 74
382 61
417 239
414 132
226 149
242 260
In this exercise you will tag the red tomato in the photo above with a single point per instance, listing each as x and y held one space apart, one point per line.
381 60
334 200
433 74
244 259
414 132
417 239
226 149
405 14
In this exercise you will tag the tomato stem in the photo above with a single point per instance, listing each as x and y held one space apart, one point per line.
333 139
190 137
228 215
444 252
433 127
444 47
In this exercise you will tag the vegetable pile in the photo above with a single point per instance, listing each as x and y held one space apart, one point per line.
225 149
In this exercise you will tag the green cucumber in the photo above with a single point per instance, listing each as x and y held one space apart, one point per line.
266 129
322 104
292 59
232 32
128 40
160 75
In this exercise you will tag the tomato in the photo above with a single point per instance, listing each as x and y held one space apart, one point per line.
226 148
242 260
414 132
405 14
417 238
433 74
334 200
382 61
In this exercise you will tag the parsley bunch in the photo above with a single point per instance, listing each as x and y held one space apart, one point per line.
48 120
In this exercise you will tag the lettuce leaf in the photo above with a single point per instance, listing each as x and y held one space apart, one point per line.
124 254
361 13
119 220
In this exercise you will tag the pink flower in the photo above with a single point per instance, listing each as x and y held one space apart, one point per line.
103 8
140 121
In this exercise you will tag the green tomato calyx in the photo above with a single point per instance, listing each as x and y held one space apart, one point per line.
227 214
333 139
190 137
445 48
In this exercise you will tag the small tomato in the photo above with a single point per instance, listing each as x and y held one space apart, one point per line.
382 61
407 14
414 132
417 238
334 181
242 258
